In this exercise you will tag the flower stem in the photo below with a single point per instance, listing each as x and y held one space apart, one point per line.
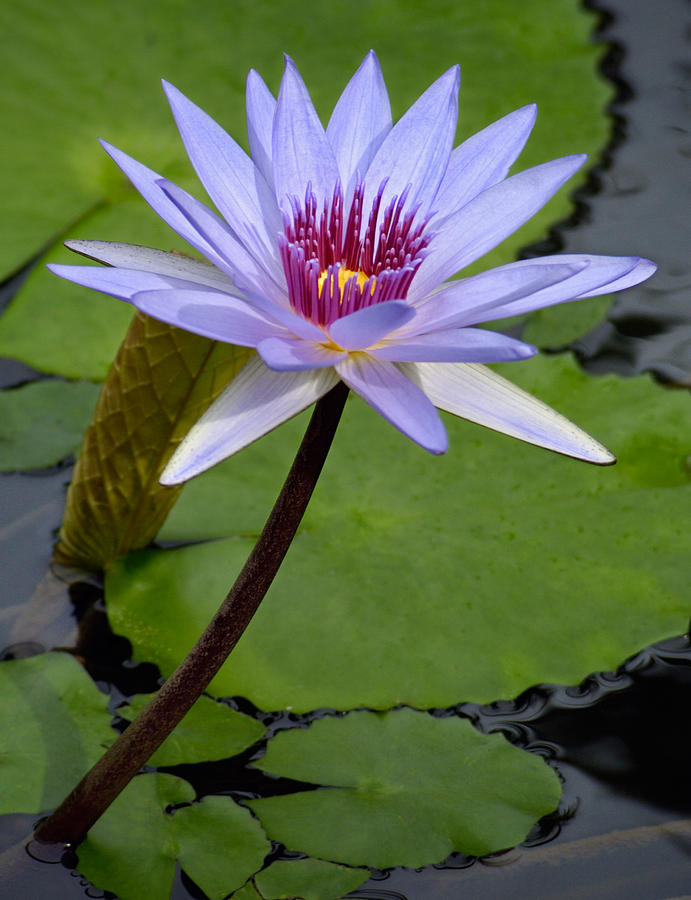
101 785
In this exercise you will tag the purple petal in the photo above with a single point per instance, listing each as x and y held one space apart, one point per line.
599 275
483 160
476 393
148 183
213 316
641 271
394 397
231 179
124 283
456 345
360 121
468 300
246 271
161 262
367 326
255 402
261 107
302 154
416 150
290 355
488 219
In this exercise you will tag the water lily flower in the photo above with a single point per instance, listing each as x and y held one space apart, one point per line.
331 256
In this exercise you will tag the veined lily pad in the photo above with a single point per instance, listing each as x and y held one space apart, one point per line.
308 879
43 422
427 580
133 848
53 727
405 789
209 730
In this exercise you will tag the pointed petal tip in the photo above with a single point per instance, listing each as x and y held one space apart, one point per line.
602 458
529 111
169 479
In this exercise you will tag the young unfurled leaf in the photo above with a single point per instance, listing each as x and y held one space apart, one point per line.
160 382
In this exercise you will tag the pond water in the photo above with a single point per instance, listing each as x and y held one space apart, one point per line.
620 740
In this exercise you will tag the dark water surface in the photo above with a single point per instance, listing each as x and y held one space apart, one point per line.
620 741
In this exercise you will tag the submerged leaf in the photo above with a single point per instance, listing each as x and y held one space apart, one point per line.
54 725
160 382
210 730
42 422
406 789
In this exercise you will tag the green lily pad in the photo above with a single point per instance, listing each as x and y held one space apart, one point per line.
511 54
53 727
210 730
307 879
433 580
406 789
136 843
43 422
248 892
220 844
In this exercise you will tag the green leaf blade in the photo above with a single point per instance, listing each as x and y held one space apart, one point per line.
209 731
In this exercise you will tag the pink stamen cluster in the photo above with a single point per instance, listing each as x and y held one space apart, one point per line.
379 262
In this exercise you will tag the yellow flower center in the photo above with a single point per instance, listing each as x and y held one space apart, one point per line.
345 275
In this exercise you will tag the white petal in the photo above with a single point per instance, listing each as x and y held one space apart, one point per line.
256 401
160 262
474 392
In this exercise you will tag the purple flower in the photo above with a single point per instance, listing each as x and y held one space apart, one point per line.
332 258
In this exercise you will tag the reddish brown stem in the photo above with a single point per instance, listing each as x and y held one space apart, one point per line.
101 785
